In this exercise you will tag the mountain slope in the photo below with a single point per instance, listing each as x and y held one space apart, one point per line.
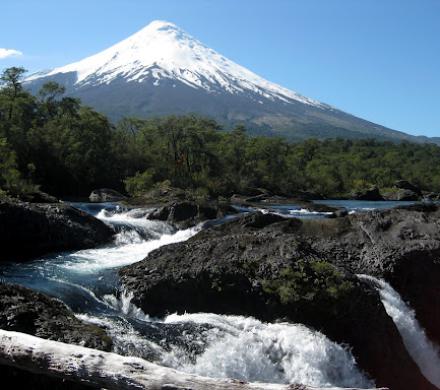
162 70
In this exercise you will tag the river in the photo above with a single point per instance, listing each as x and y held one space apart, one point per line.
203 343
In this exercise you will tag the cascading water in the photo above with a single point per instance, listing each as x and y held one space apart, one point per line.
422 350
238 347
247 349
208 344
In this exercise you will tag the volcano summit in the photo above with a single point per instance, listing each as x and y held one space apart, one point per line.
163 70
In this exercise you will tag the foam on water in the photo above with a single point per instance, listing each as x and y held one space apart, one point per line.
124 305
422 350
136 238
247 349
126 340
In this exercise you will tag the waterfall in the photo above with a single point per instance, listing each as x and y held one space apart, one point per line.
422 350
223 346
248 349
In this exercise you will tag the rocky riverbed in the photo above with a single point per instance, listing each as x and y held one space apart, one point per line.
241 263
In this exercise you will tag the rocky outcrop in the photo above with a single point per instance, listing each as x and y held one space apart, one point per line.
29 230
401 194
106 195
406 185
23 310
38 197
403 190
401 245
431 196
302 271
372 193
185 214
266 201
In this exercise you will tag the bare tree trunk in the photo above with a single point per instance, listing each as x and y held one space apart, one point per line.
108 370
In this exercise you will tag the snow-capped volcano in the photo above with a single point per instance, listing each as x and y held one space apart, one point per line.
161 70
163 51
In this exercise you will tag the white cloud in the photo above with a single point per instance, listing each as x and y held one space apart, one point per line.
5 53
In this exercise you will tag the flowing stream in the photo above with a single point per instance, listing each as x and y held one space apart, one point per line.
422 350
208 344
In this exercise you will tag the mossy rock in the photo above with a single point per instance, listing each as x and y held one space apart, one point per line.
310 284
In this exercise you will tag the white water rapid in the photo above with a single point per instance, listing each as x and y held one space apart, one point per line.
244 348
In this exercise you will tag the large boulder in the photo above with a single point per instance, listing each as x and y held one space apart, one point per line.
401 194
184 214
103 195
272 268
23 310
404 190
29 230
372 193
431 196
406 185
27 311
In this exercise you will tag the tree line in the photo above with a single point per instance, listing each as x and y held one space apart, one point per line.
54 143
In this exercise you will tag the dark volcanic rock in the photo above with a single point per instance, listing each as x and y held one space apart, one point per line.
26 311
406 185
185 214
404 194
431 196
372 193
29 230
401 194
404 190
400 245
38 197
267 200
302 271
106 195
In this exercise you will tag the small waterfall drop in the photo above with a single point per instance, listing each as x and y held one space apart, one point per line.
224 346
422 350
125 306
248 349
136 237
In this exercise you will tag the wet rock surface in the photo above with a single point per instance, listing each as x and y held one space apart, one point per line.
401 245
372 193
106 195
185 214
303 271
29 230
26 311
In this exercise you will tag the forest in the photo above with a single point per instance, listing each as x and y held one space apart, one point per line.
52 142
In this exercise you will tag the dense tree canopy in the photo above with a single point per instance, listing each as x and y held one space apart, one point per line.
67 149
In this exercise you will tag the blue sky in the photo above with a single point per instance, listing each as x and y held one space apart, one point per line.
378 59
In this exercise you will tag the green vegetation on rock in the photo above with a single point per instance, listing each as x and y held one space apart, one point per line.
309 281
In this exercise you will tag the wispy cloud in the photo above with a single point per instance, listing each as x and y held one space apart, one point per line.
5 53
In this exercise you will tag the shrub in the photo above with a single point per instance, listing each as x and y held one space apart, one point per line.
139 183
308 281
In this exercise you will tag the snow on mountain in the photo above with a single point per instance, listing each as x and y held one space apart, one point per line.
163 51
162 70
